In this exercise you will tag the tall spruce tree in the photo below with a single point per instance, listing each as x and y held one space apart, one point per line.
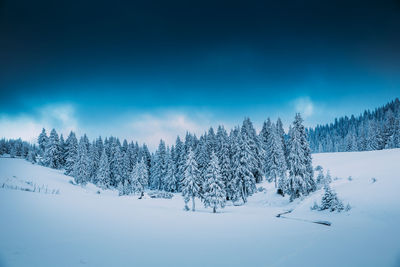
214 188
52 152
179 161
139 177
300 180
103 173
190 183
277 163
82 164
94 158
62 151
243 180
116 164
42 141
71 153
160 167
170 183
249 136
224 160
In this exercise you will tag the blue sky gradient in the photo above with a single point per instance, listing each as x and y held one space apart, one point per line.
146 70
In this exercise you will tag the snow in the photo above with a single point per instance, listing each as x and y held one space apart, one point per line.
79 227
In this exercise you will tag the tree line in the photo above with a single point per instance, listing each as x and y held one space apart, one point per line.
216 167
372 130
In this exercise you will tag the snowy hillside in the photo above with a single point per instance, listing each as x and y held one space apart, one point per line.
47 221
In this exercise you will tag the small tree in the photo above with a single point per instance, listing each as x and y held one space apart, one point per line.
330 201
214 191
320 177
328 178
32 156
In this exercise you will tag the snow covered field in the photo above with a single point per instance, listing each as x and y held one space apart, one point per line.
67 225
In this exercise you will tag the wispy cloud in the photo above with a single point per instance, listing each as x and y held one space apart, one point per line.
305 106
150 128
28 126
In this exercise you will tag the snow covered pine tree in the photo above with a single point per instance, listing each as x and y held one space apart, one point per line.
301 181
214 192
190 183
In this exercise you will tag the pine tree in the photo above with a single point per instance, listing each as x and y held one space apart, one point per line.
300 180
202 158
136 186
394 139
159 167
179 161
62 151
328 179
281 134
103 173
139 178
233 186
277 163
224 160
94 157
143 173
170 178
249 136
71 153
214 192
32 156
52 152
320 177
42 141
146 156
265 136
13 152
190 183
373 137
243 180
124 147
126 168
330 200
82 164
116 163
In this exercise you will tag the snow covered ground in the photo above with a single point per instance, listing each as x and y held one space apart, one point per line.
47 221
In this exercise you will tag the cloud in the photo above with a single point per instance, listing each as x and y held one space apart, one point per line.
147 127
304 106
28 126
150 128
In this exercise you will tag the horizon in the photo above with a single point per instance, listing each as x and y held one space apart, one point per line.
169 142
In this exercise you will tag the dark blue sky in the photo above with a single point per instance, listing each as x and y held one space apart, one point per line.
102 63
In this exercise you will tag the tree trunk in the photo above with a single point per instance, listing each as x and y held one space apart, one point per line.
193 204
214 210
